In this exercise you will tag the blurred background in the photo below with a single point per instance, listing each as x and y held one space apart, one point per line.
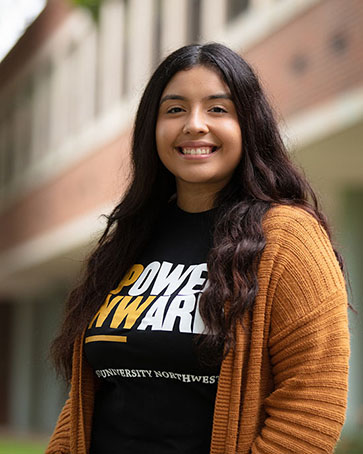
69 87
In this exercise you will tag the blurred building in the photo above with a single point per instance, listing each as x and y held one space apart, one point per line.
68 91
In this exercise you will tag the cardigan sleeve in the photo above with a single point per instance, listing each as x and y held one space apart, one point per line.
308 344
60 440
72 433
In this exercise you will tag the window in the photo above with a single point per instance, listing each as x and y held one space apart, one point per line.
126 39
157 33
194 21
41 110
2 151
26 123
9 149
235 8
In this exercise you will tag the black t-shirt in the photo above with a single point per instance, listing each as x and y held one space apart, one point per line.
156 394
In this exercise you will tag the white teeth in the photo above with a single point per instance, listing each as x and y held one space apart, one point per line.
194 151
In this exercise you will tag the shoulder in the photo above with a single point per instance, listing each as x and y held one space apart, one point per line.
296 232
297 236
286 219
301 259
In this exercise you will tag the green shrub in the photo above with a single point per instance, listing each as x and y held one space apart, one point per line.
350 444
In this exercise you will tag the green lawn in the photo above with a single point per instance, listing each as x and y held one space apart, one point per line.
21 447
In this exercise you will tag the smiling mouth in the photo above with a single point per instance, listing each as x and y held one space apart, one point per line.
196 150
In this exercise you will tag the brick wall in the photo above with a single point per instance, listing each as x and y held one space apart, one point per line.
314 57
97 180
38 32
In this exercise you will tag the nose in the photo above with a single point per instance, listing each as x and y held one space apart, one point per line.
195 123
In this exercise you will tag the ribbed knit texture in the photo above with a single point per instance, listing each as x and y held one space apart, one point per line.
283 389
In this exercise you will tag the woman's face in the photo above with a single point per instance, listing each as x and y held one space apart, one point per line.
198 136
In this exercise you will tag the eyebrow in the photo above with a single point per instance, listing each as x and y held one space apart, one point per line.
207 98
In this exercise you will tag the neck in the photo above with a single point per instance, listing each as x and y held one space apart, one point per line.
194 198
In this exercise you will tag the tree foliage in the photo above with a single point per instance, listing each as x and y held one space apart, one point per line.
92 5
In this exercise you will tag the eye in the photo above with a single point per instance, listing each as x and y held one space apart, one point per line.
218 109
173 110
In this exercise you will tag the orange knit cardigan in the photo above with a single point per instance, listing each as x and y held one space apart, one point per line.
283 388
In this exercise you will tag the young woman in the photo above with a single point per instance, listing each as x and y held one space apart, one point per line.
212 316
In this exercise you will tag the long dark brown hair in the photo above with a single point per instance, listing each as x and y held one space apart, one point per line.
265 176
